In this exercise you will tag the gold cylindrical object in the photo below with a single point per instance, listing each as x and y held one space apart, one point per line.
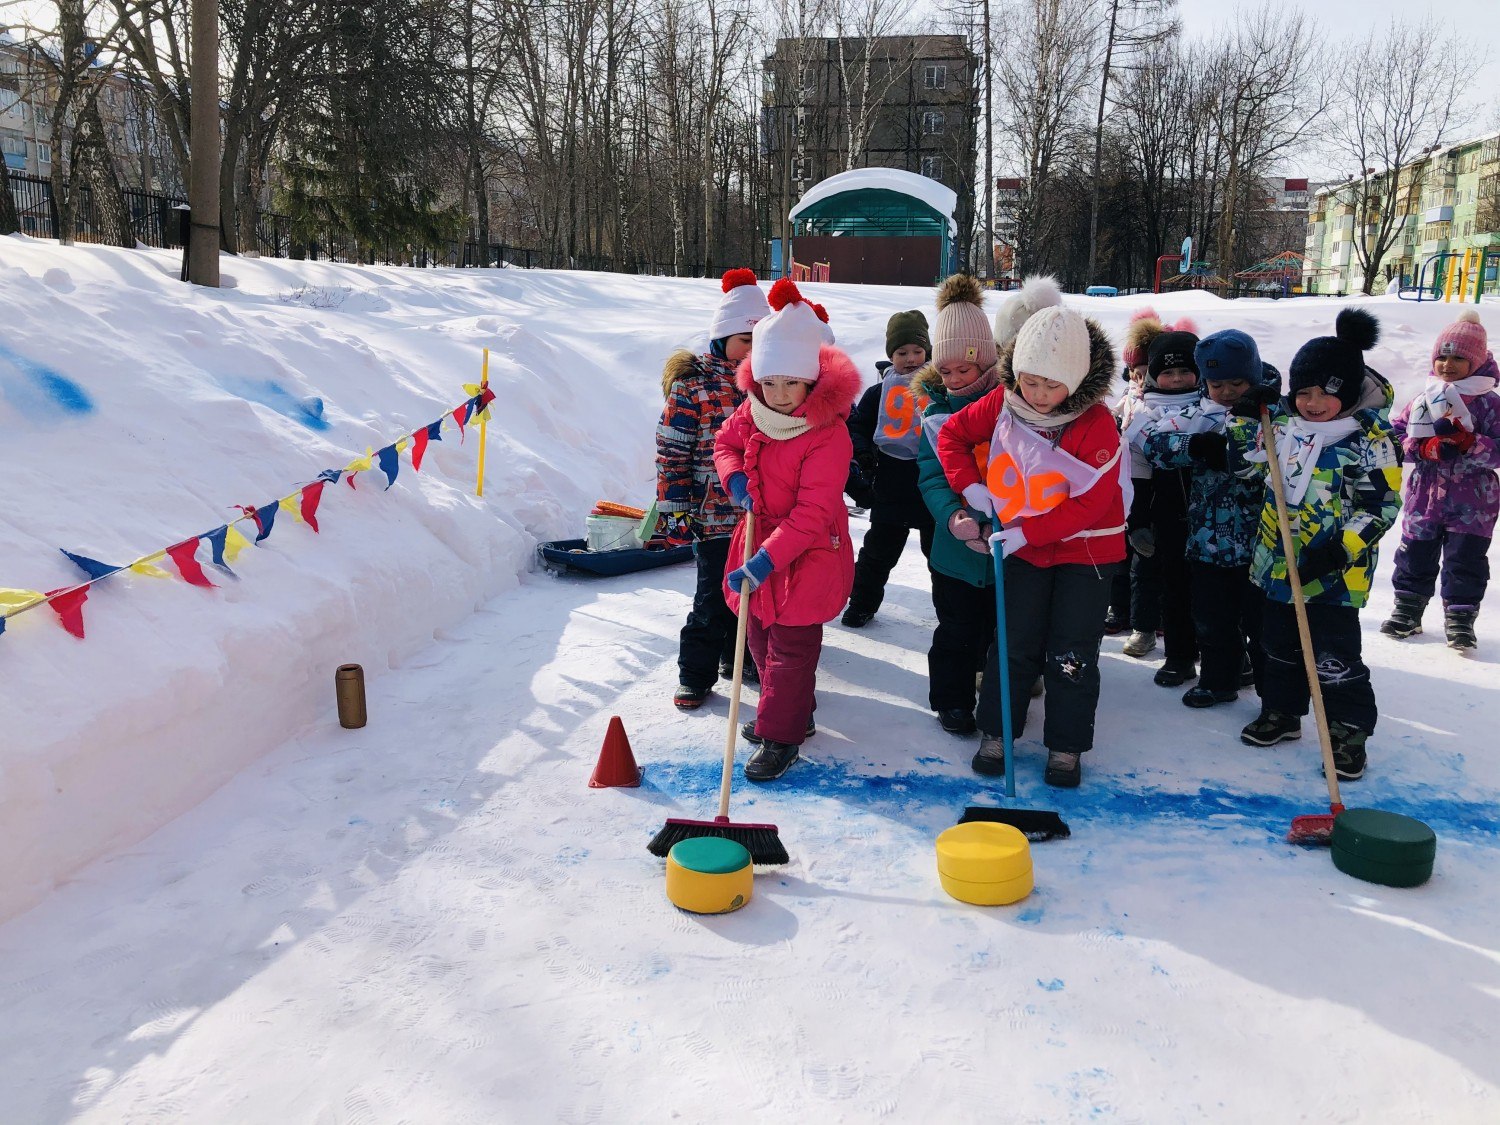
349 687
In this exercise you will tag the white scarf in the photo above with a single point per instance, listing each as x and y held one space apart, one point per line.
1161 412
1440 400
777 427
1031 416
1298 447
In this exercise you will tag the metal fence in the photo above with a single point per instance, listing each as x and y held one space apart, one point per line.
158 220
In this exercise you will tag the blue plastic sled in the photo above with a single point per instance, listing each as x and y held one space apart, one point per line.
572 554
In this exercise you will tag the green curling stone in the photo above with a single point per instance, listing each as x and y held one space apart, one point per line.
1383 847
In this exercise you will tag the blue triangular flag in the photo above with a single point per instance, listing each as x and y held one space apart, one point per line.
390 463
92 567
2 626
216 539
331 475
265 516
435 431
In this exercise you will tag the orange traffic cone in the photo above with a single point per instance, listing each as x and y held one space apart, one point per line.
616 768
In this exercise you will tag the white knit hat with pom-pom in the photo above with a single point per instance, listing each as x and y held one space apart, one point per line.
1035 294
1054 344
786 343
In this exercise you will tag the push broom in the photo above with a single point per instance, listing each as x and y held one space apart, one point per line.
1310 828
1038 825
762 841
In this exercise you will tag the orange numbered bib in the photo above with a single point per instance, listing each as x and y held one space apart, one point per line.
899 429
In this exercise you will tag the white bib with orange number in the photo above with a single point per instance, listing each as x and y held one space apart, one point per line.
898 430
1028 476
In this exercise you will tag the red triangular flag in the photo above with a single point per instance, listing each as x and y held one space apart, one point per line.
461 415
349 480
187 565
486 397
418 449
311 494
69 608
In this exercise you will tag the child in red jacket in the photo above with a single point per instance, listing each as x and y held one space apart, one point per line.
1053 483
784 455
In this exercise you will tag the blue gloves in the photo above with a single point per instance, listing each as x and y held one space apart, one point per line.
756 571
738 486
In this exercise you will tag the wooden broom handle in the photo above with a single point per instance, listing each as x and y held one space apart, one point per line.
1299 605
739 671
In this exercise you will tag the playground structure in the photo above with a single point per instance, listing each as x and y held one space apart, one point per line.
1280 275
1451 271
818 271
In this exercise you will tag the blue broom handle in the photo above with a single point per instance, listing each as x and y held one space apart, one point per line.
1002 648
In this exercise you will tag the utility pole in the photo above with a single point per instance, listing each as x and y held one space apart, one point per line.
988 257
203 171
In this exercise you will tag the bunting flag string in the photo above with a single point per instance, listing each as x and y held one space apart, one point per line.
226 542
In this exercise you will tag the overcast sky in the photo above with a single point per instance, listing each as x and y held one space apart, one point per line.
1349 20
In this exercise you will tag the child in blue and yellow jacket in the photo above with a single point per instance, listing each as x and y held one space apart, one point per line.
1342 478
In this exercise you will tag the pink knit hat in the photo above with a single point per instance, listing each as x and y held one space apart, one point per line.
1465 338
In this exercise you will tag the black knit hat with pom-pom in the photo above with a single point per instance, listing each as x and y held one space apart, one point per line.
1336 363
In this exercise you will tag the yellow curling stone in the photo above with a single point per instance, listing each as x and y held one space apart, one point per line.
984 863
708 875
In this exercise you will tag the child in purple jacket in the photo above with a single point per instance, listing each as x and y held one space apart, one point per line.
1450 434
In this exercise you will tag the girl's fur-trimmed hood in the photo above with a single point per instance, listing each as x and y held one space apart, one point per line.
832 396
1096 385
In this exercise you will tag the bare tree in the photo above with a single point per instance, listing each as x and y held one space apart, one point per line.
1042 77
1267 90
868 69
1132 26
1389 108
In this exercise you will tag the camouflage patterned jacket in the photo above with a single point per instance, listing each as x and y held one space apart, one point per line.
1353 498
701 395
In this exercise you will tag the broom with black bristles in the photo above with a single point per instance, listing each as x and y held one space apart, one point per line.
762 841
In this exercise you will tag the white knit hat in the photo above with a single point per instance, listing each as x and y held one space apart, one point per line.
741 306
1035 294
786 343
1054 344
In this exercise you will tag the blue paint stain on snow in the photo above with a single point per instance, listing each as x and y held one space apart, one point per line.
357 821
913 795
307 411
37 391
571 856
1030 916
1053 985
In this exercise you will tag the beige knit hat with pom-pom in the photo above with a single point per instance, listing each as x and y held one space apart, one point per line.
962 333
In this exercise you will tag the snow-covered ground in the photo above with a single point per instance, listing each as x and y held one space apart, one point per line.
434 919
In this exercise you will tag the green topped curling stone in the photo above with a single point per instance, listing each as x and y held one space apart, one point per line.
1383 847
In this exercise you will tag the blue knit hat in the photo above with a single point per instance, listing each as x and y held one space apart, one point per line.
1230 354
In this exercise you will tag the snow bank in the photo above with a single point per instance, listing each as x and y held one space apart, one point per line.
134 412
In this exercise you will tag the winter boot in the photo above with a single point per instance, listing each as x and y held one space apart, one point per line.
1271 727
771 761
750 675
1247 673
957 720
990 757
1406 619
1175 673
1114 623
1139 643
1202 697
1037 687
1063 769
1458 621
747 732
857 618
689 698
1348 751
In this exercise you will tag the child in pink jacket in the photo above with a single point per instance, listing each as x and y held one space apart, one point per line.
784 455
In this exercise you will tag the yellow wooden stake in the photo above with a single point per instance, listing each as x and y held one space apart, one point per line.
484 385
1463 278
1451 265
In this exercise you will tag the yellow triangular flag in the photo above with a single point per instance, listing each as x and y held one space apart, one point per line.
471 389
234 543
402 444
361 464
12 600
143 565
293 504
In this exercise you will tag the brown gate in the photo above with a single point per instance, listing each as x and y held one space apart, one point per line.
872 261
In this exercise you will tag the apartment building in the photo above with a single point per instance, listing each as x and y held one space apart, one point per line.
1447 199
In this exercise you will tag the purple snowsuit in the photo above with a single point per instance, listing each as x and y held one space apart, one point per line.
1451 508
